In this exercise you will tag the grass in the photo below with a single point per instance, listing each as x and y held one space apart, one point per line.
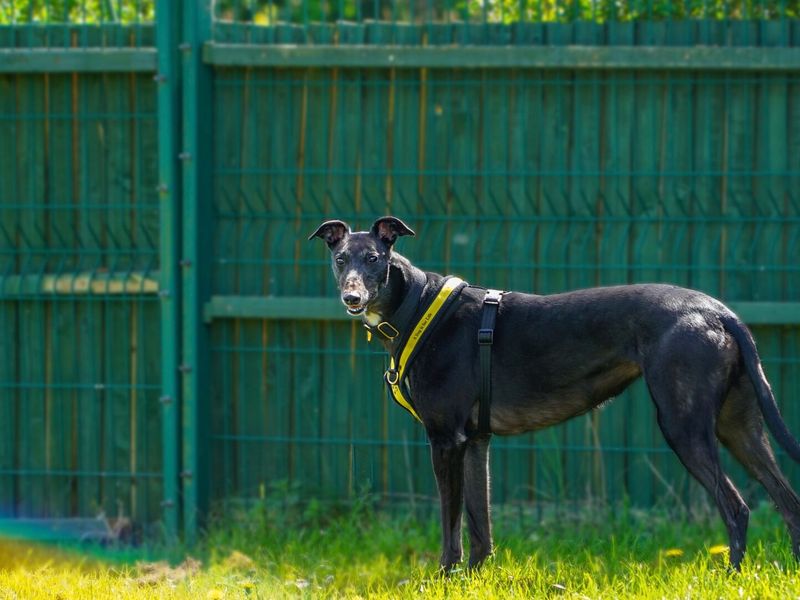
280 550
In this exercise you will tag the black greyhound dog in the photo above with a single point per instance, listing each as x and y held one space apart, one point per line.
558 356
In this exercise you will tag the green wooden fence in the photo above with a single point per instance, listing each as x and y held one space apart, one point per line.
171 341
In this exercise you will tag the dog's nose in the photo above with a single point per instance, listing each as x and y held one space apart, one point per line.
351 298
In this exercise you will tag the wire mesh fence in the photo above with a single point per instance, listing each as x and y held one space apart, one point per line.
532 180
514 179
79 259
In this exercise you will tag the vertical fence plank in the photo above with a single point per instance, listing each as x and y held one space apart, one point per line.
62 325
645 209
9 380
239 272
586 162
33 375
613 234
678 181
554 135
739 233
9 309
120 317
769 189
710 161
519 228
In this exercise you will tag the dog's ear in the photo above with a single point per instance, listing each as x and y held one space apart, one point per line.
332 232
388 229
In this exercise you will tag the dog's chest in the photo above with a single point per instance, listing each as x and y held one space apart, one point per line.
372 319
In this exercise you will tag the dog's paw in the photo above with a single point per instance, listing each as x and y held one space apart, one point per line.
449 565
479 556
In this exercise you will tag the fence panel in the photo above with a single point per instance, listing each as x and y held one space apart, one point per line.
536 180
80 378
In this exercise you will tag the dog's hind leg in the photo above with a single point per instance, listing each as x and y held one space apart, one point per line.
741 428
686 414
476 493
696 447
447 455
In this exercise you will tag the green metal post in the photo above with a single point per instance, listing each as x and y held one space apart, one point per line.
196 159
169 190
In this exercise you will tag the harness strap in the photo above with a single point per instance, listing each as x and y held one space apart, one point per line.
391 329
491 303
398 369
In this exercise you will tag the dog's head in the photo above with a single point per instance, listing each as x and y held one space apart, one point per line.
361 260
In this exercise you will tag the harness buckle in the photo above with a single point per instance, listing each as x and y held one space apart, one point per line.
385 324
492 297
485 337
392 376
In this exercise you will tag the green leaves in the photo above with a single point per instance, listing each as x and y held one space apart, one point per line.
84 12
271 12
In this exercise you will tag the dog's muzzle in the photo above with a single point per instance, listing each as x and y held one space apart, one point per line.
355 303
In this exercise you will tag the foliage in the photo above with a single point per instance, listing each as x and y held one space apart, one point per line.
285 548
76 11
499 11
266 12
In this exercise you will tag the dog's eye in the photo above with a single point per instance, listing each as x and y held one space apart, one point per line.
339 261
372 258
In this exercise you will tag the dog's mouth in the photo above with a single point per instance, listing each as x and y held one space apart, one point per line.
356 302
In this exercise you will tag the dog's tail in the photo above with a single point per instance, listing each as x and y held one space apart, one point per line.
769 408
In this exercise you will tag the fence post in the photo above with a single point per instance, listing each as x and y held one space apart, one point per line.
195 264
168 84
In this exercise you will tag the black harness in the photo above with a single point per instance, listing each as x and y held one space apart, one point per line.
396 328
491 303
414 323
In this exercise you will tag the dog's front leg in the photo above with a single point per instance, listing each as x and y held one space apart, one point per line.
448 466
476 481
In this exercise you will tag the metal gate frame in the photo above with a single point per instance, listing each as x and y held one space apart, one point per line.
184 100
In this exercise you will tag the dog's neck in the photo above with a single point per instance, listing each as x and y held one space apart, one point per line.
398 283
372 318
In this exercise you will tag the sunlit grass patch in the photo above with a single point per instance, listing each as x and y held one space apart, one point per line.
16 553
328 552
